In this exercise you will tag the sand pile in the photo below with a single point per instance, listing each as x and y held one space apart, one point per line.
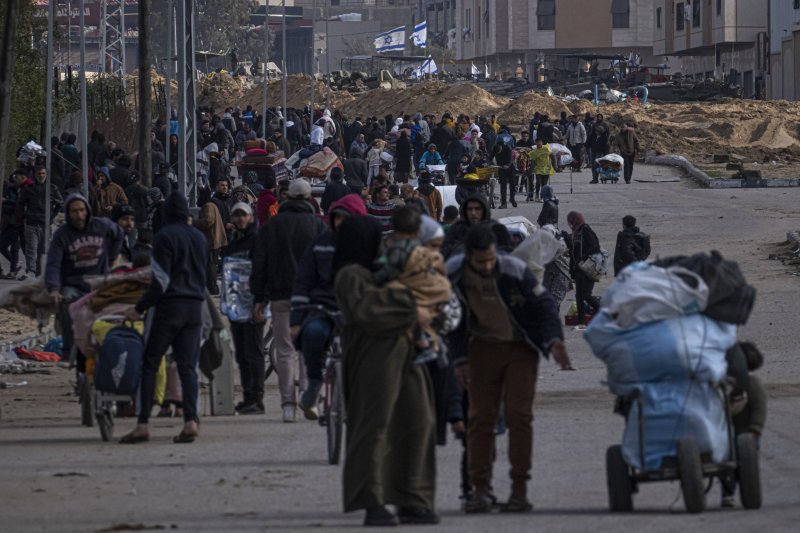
760 131
430 97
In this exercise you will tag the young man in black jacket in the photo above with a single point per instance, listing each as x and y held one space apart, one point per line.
32 210
632 245
174 300
282 241
248 337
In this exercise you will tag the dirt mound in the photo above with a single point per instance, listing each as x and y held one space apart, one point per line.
759 131
434 97
521 111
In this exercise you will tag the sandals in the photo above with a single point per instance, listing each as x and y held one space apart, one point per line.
184 438
130 438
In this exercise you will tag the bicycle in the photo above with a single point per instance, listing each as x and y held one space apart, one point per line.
331 401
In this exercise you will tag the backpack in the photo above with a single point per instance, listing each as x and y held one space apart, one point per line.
119 366
642 245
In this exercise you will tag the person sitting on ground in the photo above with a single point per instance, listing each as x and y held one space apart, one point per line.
406 263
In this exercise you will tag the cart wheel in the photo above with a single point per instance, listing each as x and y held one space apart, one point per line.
747 471
106 424
269 352
690 469
620 484
85 398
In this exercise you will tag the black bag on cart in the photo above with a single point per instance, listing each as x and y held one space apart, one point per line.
119 366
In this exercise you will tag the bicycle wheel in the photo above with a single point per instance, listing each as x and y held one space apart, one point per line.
335 425
106 423
85 399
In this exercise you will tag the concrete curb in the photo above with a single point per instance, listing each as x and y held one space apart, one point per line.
712 183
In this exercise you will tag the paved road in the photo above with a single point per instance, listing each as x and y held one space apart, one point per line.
256 473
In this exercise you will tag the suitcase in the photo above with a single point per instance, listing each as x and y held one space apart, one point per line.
119 366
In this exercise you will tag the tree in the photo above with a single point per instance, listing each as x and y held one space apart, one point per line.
28 81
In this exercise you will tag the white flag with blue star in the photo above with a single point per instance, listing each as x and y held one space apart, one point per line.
391 41
420 35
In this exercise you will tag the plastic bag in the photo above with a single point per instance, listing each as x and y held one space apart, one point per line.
237 301
596 265
644 293
666 350
673 410
538 250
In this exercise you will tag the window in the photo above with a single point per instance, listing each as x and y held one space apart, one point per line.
620 14
797 4
719 6
546 14
658 17
696 14
679 16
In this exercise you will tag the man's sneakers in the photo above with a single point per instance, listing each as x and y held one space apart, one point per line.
289 413
517 503
478 503
251 409
380 517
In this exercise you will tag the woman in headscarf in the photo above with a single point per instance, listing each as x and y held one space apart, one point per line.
402 157
388 398
210 223
359 147
431 234
584 244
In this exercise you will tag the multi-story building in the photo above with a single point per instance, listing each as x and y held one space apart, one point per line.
714 39
783 80
543 36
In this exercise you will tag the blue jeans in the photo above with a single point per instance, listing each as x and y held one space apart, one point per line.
313 340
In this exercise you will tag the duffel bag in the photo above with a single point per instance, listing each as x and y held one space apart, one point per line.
119 366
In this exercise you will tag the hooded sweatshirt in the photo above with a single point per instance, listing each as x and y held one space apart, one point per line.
454 241
313 283
76 253
179 260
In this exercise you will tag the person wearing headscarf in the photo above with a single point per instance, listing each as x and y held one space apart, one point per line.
359 147
431 233
388 399
584 244
211 224
402 156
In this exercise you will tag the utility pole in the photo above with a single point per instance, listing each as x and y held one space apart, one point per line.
265 115
283 82
327 58
145 95
168 84
6 75
313 63
84 108
48 120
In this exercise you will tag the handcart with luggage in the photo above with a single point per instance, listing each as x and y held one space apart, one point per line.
666 333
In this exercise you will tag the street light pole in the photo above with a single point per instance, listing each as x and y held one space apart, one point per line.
84 109
168 84
265 114
327 59
48 121
283 82
313 63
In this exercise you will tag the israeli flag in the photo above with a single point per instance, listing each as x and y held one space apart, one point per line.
475 70
420 35
427 67
391 41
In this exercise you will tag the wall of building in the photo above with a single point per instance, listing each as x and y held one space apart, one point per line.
583 24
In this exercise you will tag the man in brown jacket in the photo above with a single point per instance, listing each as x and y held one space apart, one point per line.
431 196
628 144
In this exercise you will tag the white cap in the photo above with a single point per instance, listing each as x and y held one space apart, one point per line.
242 206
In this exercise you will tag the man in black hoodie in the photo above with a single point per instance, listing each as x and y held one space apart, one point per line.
474 210
632 245
503 158
175 300
282 241
334 189
84 246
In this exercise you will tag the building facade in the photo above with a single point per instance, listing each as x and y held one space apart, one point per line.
783 79
542 36
715 39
